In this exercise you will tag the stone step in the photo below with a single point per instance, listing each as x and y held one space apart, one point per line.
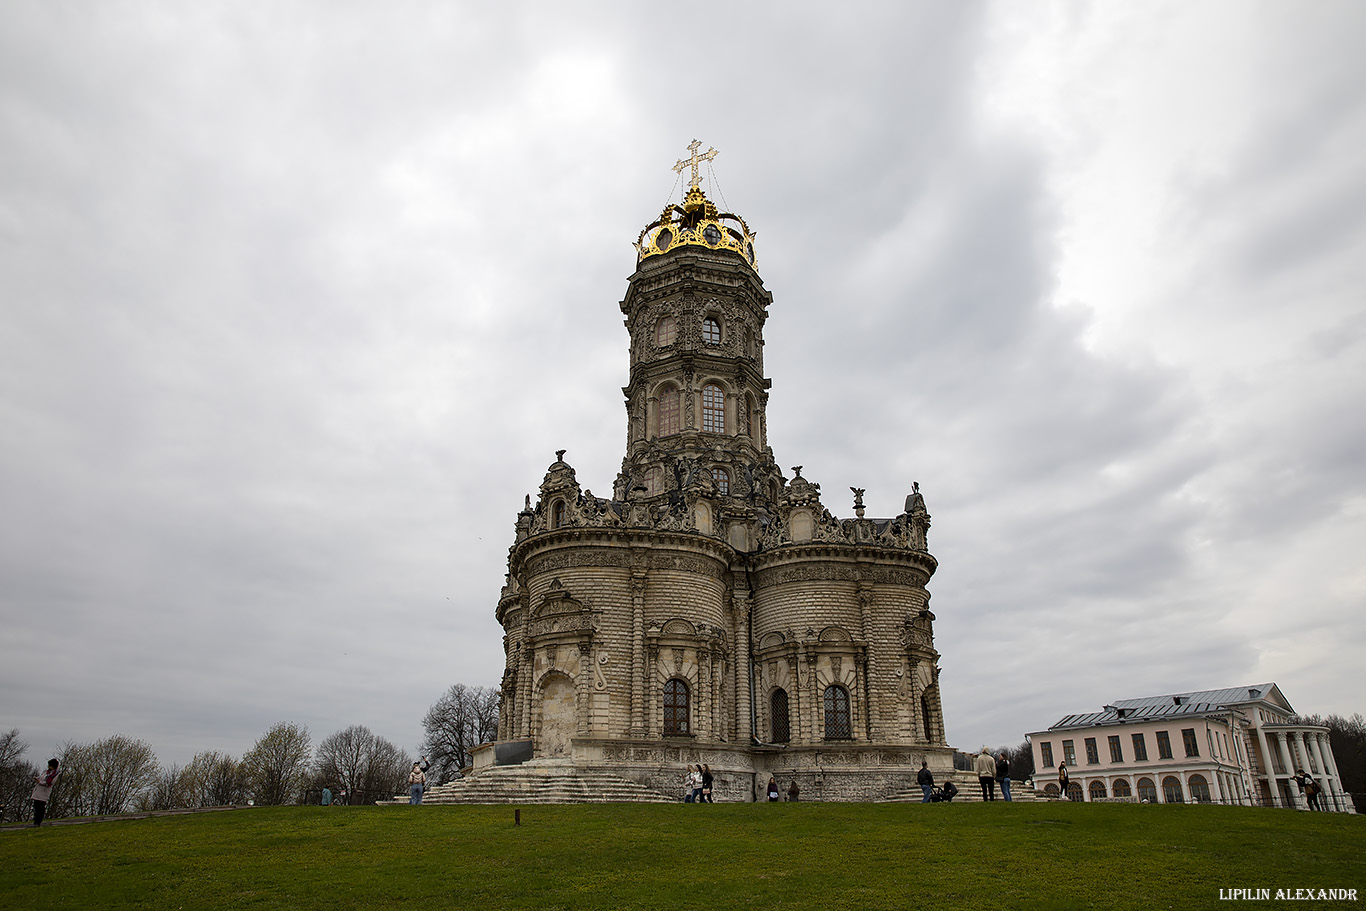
968 792
544 782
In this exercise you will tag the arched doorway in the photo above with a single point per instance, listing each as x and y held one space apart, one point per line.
558 716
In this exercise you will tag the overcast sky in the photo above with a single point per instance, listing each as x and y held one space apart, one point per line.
298 300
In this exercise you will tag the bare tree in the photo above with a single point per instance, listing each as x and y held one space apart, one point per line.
463 718
169 790
103 778
368 766
277 766
16 777
214 779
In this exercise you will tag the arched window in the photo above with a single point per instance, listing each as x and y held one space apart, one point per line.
713 409
1121 788
1147 791
1051 790
1200 789
837 725
711 331
1097 789
1074 792
557 514
926 716
675 707
1171 790
722 479
779 729
666 331
669 412
751 419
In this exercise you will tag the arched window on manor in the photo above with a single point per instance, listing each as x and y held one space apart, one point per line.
837 722
676 707
713 409
1121 788
1097 789
1200 789
1074 792
711 331
669 412
1147 790
779 728
1171 790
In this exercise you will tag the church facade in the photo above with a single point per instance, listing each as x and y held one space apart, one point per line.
711 609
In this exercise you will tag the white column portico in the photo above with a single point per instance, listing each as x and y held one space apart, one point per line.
1283 742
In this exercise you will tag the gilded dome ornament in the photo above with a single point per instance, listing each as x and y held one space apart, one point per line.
697 222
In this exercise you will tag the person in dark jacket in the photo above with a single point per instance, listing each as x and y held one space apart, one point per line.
925 780
1003 775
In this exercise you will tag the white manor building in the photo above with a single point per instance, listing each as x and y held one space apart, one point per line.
1237 746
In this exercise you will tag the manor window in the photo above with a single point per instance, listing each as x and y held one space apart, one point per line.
1092 754
1171 790
779 728
1069 753
1140 749
1097 789
711 331
713 409
1116 752
1164 745
1147 791
1046 754
669 412
1192 745
675 707
1121 788
1200 789
837 722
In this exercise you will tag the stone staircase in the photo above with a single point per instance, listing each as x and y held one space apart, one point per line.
538 782
969 791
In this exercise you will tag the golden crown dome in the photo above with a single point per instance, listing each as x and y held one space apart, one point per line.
696 223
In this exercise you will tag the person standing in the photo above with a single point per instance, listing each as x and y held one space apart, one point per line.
42 790
417 783
708 780
793 792
1003 775
925 780
986 774
772 789
1063 780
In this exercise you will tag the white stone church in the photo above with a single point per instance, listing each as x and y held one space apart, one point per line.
711 609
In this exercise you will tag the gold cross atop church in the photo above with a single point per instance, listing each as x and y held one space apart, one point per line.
694 161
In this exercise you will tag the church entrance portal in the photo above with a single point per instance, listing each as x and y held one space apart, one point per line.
557 716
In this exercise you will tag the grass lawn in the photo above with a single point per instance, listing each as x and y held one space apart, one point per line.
619 857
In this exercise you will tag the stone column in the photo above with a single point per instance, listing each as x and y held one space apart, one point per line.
1323 749
865 666
743 728
527 687
1282 742
1268 768
815 703
638 728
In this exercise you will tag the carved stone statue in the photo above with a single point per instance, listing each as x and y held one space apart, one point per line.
915 503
